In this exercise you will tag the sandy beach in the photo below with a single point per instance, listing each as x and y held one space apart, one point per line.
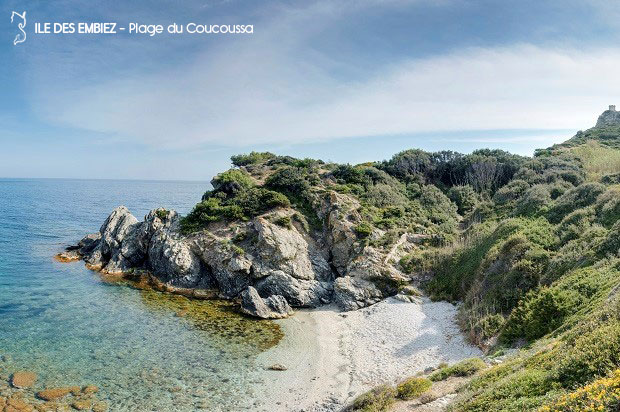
331 357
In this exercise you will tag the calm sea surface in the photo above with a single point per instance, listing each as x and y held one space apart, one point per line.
147 351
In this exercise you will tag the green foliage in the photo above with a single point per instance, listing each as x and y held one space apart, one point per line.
533 202
464 197
573 199
162 213
610 246
487 252
590 356
293 180
232 181
611 179
511 192
413 387
484 170
245 205
582 251
379 399
284 221
363 229
465 367
540 312
530 246
574 224
607 207
586 347
487 326
252 158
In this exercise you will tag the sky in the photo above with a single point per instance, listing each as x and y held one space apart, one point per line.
341 80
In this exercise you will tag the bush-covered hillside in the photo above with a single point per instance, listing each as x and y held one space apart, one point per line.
531 246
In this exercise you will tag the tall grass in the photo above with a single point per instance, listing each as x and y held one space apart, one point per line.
598 160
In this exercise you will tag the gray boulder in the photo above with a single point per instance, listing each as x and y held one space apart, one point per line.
273 307
301 293
354 293
88 243
120 246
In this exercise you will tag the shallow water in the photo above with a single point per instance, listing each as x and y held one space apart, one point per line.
145 350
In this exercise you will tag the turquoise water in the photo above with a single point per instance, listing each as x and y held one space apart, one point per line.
71 328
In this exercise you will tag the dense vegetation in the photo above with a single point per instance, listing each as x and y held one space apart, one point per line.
531 246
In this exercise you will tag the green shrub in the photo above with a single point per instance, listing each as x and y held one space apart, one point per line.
284 221
162 213
573 199
232 181
601 395
245 205
363 229
607 207
488 326
465 198
612 179
591 355
511 192
413 387
465 367
289 180
576 253
534 200
379 399
540 312
610 246
252 158
575 224
383 195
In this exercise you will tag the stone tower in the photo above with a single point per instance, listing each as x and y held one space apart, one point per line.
609 117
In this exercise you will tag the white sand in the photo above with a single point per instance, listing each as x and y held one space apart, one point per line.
332 357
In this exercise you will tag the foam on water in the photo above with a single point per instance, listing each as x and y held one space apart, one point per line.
145 350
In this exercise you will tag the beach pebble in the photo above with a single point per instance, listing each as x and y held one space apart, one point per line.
277 367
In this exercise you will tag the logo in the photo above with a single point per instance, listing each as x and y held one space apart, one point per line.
21 37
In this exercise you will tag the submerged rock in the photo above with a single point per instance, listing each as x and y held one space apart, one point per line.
82 404
15 404
53 394
273 307
23 379
100 407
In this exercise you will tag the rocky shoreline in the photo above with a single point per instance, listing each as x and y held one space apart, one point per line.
270 264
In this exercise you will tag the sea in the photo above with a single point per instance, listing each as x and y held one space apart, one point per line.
144 350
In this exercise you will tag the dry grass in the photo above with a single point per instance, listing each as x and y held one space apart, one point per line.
598 160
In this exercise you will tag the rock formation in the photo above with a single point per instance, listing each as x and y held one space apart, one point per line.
268 266
609 117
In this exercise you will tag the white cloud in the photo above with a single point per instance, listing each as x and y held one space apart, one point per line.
276 88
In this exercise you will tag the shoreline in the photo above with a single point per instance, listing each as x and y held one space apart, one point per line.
333 357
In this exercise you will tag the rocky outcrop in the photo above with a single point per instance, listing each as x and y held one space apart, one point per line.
273 307
609 117
268 265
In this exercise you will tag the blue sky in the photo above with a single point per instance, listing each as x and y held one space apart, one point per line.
348 81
